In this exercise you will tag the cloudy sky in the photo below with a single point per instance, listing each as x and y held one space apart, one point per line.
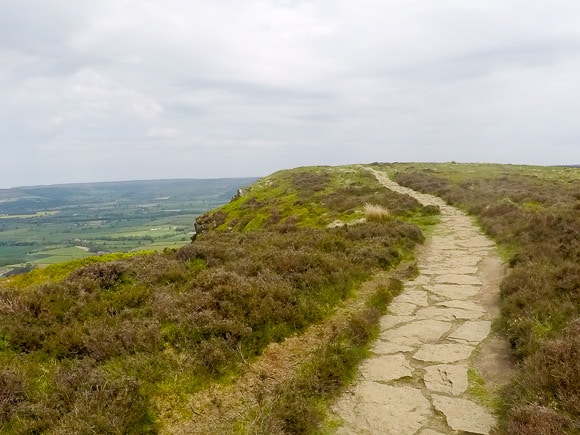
147 89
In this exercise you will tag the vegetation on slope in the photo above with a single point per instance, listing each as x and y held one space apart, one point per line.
105 347
534 213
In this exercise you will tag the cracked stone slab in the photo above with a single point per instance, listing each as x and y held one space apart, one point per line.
387 322
381 347
421 280
443 353
463 305
415 297
464 415
402 308
472 332
430 432
386 368
448 313
465 260
382 409
457 279
450 269
445 378
476 243
451 291
420 331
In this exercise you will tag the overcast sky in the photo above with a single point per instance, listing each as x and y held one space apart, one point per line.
148 89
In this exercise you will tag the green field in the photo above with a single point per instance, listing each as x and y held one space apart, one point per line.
49 224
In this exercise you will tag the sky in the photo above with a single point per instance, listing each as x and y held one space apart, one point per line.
146 89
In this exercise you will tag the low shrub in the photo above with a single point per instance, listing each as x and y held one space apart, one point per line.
374 212
110 339
531 212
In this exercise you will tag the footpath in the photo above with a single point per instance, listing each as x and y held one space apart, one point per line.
416 382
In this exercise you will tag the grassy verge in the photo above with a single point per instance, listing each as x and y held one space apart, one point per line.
107 347
534 214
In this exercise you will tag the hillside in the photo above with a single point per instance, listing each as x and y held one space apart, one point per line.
122 346
42 225
261 322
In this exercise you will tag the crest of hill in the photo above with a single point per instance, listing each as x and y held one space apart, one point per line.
306 197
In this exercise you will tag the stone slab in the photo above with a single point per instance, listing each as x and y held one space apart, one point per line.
464 415
463 260
449 269
386 368
420 331
447 314
477 242
375 408
402 308
470 306
445 378
472 332
415 297
457 279
450 291
381 347
443 353
388 321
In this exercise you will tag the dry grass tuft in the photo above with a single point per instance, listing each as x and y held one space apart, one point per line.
375 212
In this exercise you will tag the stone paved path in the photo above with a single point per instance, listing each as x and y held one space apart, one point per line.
416 382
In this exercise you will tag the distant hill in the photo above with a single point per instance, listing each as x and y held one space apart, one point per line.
49 224
33 199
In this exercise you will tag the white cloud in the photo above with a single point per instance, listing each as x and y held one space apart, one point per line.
283 82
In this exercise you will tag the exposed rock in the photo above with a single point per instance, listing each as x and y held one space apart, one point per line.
336 224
